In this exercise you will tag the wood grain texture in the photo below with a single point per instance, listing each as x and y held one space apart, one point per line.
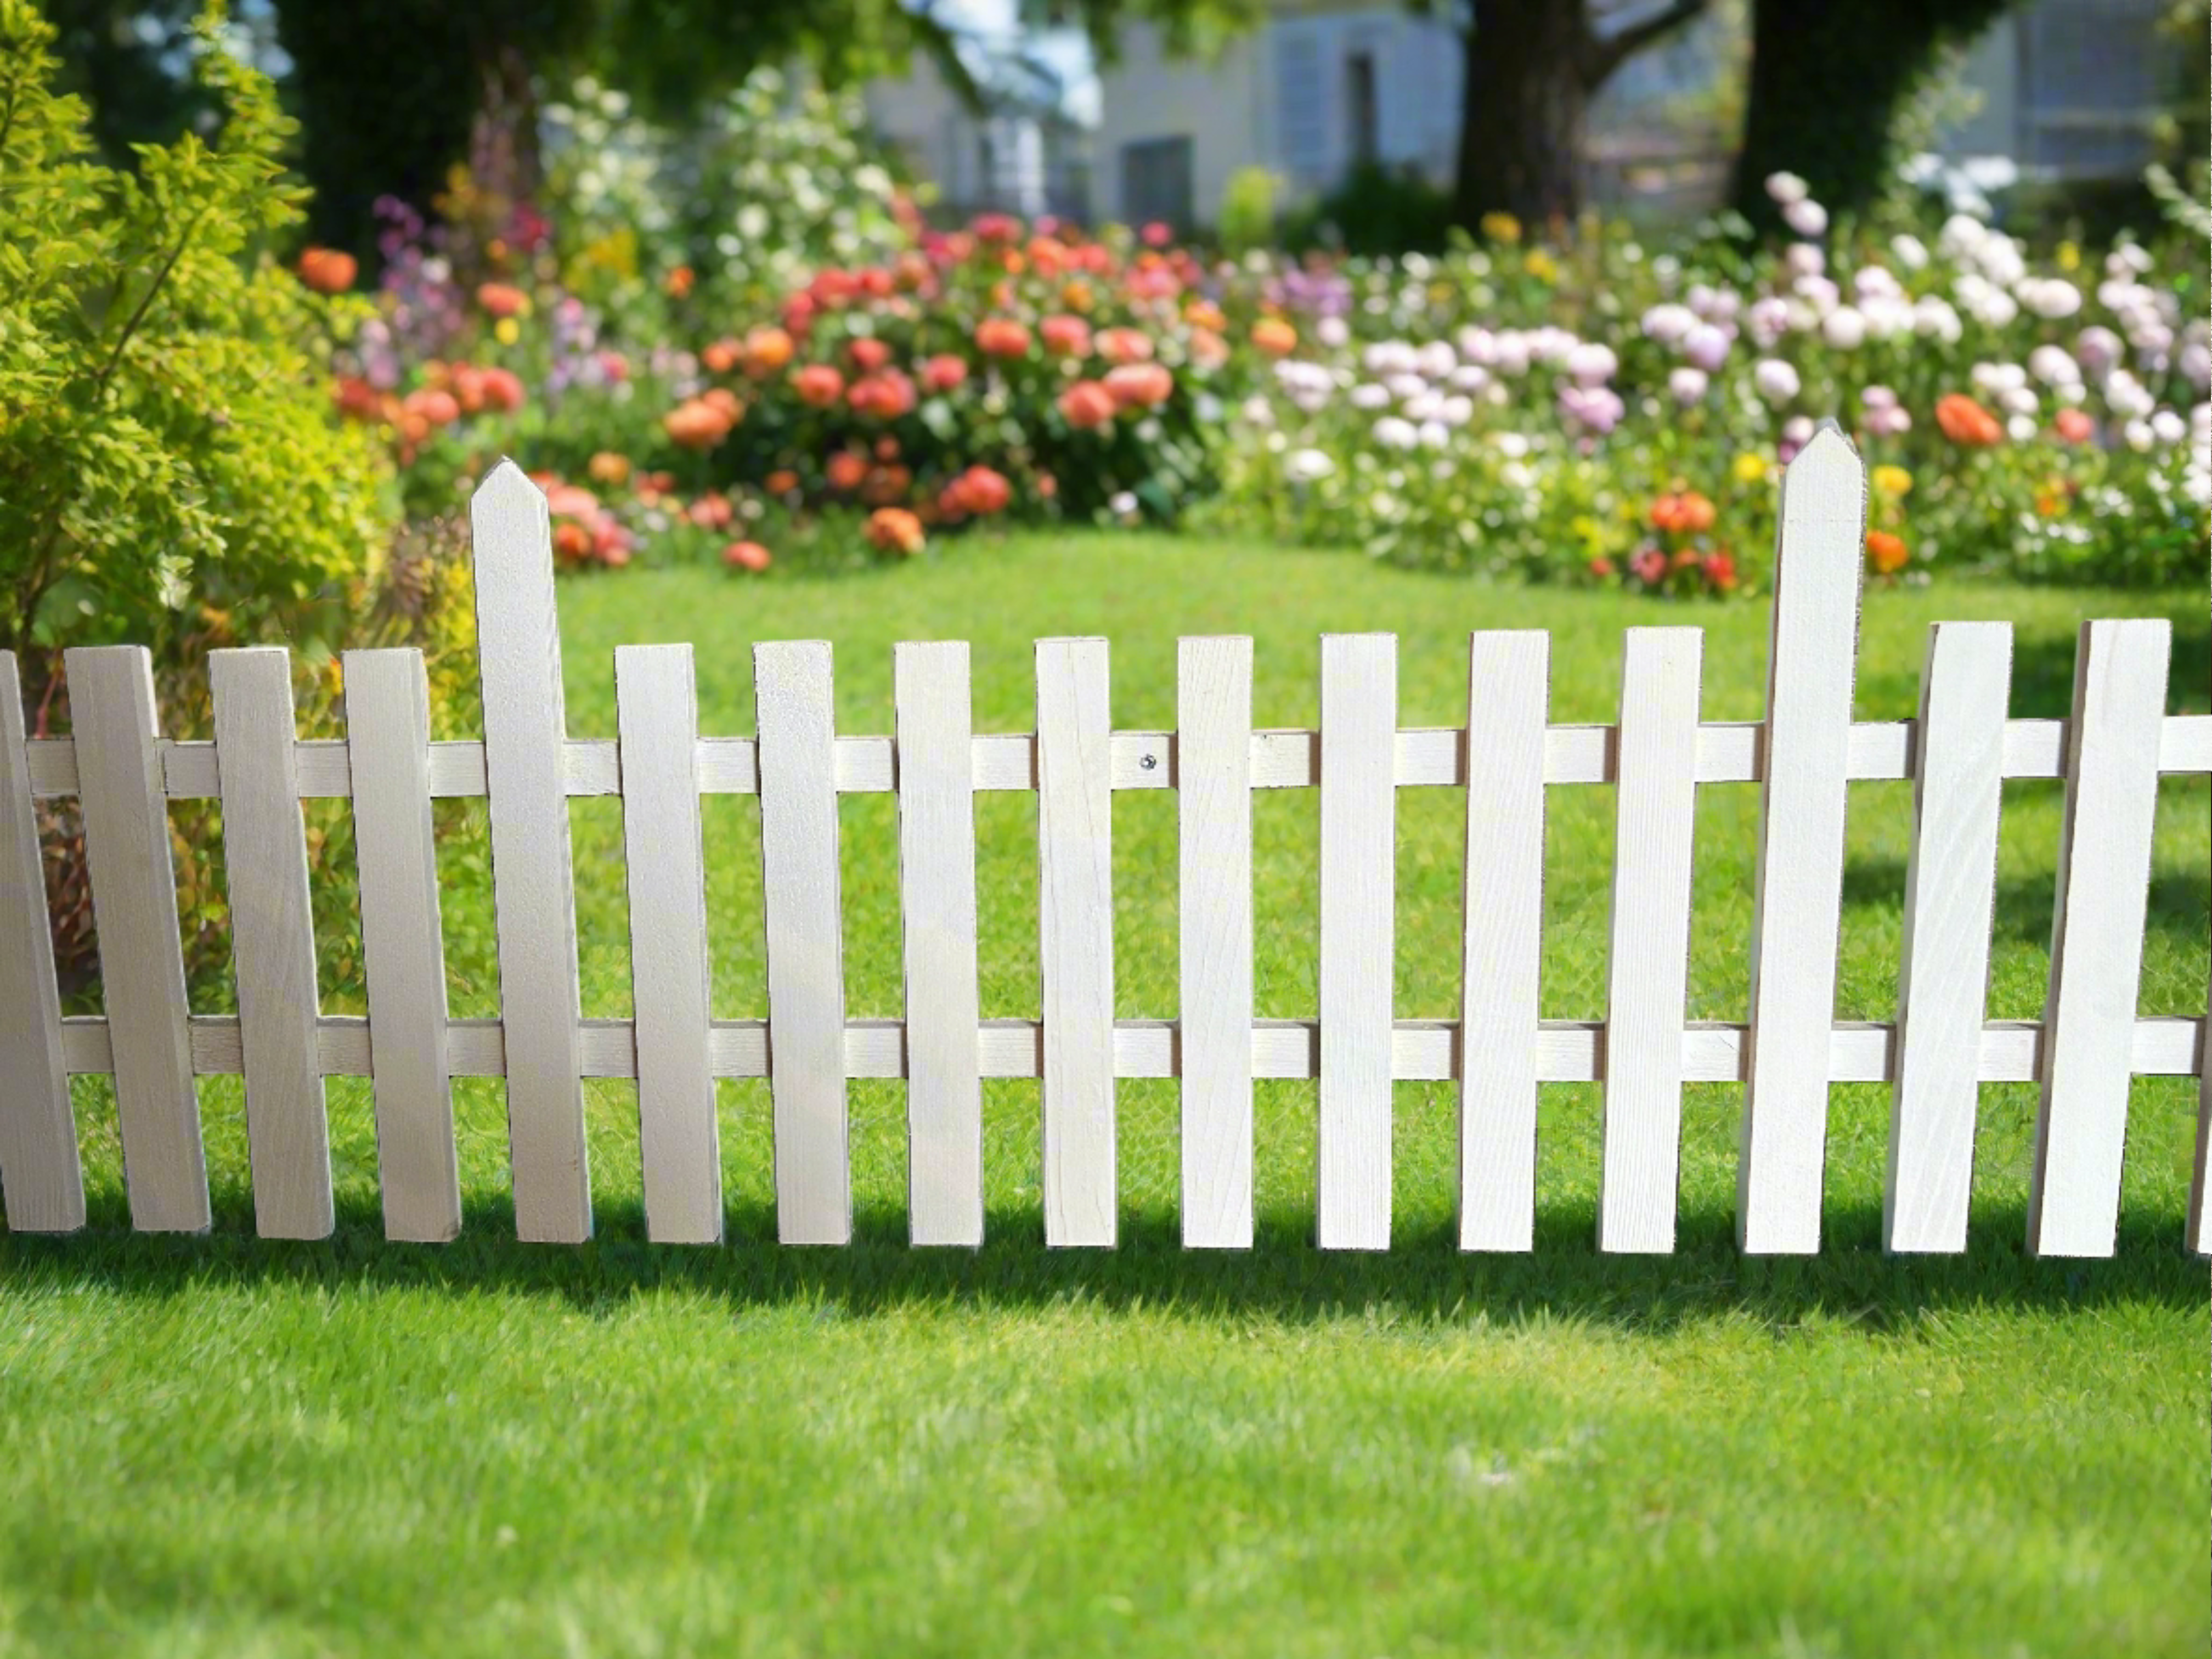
1797 903
1950 895
1358 886
1214 717
1075 944
1509 689
272 942
39 1173
657 716
533 887
1648 974
806 948
134 911
387 711
937 900
2096 940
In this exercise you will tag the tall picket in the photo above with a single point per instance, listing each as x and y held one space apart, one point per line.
533 888
40 1174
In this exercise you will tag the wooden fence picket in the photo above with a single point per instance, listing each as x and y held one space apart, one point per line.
657 717
533 887
122 793
1213 780
1358 888
1648 970
1509 689
387 713
2200 1202
937 899
1075 940
40 1174
1950 896
272 942
793 694
2097 933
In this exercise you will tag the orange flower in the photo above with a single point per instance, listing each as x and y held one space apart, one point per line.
1888 553
1686 513
1065 335
782 482
1967 423
1077 296
885 395
1125 345
1720 571
567 501
980 491
1087 404
722 399
746 556
1208 349
869 354
571 540
356 398
767 349
1274 337
895 530
711 511
944 372
502 388
846 470
434 408
1138 386
818 384
327 270
502 299
1002 336
722 357
697 424
2074 426
679 283
886 485
609 468
1204 313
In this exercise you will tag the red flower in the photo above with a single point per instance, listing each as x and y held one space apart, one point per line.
746 556
711 511
1002 336
886 395
1065 335
818 384
846 470
327 270
944 372
503 389
995 226
1125 345
1967 423
2074 426
1138 386
1686 513
1087 404
869 354
502 299
1158 234
697 423
980 491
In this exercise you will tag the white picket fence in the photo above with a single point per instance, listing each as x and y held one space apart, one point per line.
2111 753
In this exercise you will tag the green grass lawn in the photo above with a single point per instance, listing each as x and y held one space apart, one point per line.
222 1447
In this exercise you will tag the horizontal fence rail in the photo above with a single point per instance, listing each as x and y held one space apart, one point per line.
2109 753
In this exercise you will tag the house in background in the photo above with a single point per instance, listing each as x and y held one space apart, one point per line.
2071 89
1025 151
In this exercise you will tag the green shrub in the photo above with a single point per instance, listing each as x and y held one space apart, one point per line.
1248 211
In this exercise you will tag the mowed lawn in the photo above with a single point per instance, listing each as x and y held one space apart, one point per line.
222 1447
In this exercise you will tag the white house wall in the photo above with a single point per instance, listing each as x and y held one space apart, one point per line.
1213 102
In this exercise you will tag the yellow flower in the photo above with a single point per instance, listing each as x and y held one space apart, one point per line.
2069 256
506 331
1891 480
1749 468
1540 265
1501 227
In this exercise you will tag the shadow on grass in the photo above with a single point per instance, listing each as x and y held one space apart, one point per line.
1284 1277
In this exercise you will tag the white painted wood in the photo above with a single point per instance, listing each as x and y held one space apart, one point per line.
1798 886
657 715
1075 946
1950 895
806 948
2096 944
1647 977
1508 688
272 942
134 911
936 898
387 711
533 889
1214 715
1359 887
2200 1204
39 1172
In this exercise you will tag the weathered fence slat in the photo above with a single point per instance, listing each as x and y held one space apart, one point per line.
936 897
657 715
1950 895
2097 931
39 1173
791 689
1508 688
387 713
1075 955
1358 886
1649 968
1213 768
533 887
272 942
134 910
1797 908
2200 1202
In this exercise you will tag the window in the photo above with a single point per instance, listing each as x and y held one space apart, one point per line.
1156 182
1362 143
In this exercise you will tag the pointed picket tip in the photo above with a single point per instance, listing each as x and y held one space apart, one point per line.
508 485
1829 448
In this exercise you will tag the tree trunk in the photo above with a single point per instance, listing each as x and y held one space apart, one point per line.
1521 128
1828 79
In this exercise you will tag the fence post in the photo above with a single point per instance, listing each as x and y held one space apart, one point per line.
2096 935
533 887
43 1180
272 941
1797 904
122 790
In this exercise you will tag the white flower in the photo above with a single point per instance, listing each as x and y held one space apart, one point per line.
2049 297
1389 357
1591 364
2018 400
1776 382
1688 384
2167 427
1933 318
2129 257
1844 328
1997 377
1912 252
2020 427
1962 234
1803 259
1436 360
1308 465
1806 218
2139 436
2128 397
1786 188
1470 377
1512 445
1257 410
1392 432
1669 323
1122 504
1402 386
1457 409
1333 332
1434 435
1369 395
1511 353
2051 365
